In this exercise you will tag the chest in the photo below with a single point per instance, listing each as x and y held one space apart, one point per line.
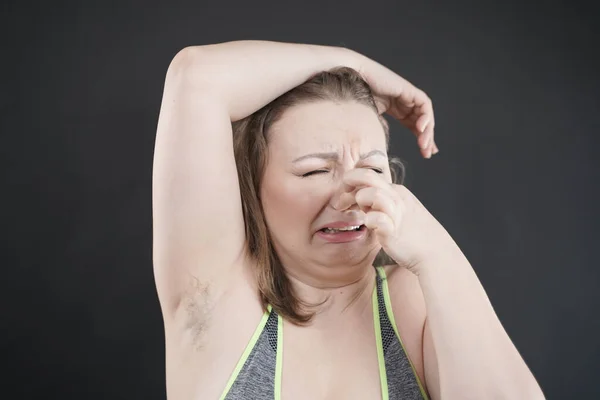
326 363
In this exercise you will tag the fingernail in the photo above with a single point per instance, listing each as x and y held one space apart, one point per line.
426 143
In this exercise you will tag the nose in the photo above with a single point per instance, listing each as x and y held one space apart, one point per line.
343 199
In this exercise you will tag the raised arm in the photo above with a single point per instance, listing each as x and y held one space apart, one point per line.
198 227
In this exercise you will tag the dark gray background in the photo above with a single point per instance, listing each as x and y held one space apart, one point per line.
515 89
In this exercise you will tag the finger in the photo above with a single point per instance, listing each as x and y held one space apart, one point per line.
357 179
345 201
379 222
423 141
422 122
428 139
344 196
424 109
363 177
423 104
425 122
376 199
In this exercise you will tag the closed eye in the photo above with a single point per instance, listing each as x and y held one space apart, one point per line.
324 171
318 171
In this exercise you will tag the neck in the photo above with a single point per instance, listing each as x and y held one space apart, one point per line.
342 291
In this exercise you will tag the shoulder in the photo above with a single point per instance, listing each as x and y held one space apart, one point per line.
410 313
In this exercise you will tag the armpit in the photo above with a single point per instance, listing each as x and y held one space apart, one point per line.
195 312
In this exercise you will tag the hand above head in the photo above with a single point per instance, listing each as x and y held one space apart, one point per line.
403 101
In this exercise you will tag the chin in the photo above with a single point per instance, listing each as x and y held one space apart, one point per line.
350 254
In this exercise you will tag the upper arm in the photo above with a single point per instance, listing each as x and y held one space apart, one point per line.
198 227
432 375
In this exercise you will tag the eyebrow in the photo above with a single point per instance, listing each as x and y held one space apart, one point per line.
334 156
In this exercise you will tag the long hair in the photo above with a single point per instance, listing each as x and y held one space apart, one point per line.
251 138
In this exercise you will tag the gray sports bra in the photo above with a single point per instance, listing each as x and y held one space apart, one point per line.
257 375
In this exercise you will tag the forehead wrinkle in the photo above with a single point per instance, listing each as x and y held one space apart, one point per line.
334 156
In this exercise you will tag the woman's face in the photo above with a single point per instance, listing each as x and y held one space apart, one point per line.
310 149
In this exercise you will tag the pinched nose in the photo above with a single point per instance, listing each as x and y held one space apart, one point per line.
343 200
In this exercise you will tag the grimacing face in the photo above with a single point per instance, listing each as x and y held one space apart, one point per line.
311 147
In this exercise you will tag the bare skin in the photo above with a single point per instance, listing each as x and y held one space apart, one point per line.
206 289
335 356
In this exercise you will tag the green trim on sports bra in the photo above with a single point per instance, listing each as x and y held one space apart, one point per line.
390 313
247 352
379 341
279 359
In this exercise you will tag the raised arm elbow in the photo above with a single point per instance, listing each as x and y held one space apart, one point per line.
183 62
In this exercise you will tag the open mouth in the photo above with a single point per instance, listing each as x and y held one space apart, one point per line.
356 228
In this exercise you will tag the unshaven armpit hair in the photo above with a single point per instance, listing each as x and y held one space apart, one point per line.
251 138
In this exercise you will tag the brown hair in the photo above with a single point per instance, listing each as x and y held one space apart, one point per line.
251 150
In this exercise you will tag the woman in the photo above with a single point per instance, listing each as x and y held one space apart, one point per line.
272 198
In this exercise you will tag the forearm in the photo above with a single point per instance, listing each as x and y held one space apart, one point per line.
474 353
246 75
